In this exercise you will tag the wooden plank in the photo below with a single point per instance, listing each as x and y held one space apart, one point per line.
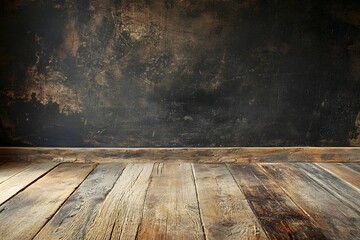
196 155
342 171
337 219
120 214
9 169
24 215
23 179
171 208
78 212
280 217
338 188
353 166
224 209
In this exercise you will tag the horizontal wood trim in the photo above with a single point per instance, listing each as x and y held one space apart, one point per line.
196 155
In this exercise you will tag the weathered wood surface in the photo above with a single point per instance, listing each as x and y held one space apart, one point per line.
344 172
182 201
9 169
197 155
25 214
338 188
120 214
337 217
278 214
177 217
225 211
78 212
354 166
18 182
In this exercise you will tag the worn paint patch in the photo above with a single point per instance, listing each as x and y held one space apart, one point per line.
71 39
49 87
355 141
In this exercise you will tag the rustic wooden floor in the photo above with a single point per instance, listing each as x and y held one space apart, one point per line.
179 201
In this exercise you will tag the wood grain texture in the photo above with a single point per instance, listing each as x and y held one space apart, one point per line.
78 212
24 215
338 188
120 214
24 178
337 218
171 208
224 209
196 155
342 171
9 169
181 201
280 217
354 166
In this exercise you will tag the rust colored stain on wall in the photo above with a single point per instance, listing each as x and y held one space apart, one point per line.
180 73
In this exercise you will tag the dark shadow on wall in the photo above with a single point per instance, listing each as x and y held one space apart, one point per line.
42 125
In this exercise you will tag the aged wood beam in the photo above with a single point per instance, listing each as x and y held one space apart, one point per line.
196 155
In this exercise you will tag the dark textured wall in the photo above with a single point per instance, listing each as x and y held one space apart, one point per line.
180 72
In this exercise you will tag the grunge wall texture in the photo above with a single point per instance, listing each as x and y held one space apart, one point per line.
117 73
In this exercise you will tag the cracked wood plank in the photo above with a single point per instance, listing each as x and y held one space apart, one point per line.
337 218
120 214
27 212
280 217
224 209
78 212
23 179
171 208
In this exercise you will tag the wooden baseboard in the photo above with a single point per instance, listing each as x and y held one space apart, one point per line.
197 155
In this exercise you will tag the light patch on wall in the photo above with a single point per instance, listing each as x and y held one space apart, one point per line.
355 142
66 98
100 79
71 38
133 22
48 87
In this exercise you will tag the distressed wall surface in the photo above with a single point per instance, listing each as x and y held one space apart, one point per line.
180 73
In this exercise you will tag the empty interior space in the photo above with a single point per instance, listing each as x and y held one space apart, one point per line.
179 119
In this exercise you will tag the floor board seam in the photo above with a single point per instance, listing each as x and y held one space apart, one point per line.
17 173
332 193
198 201
336 175
143 208
248 201
57 210
30 183
315 223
